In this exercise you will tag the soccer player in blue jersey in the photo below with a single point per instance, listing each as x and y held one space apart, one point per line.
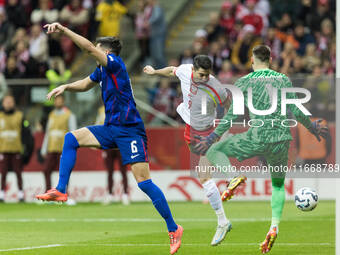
123 127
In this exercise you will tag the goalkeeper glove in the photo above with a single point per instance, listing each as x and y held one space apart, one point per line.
317 130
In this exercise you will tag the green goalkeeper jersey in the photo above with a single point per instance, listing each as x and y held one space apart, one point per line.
272 130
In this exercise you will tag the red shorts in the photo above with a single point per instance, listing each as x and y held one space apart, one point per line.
190 133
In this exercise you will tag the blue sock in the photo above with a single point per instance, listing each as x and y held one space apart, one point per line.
67 161
159 201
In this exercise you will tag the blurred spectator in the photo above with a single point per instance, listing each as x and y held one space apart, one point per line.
16 14
239 9
158 34
19 36
76 17
311 59
299 38
60 4
321 12
325 38
143 29
163 98
214 28
273 42
3 86
56 75
242 50
298 65
227 17
226 75
60 121
253 18
186 57
109 14
283 11
45 13
223 42
55 52
176 101
215 56
286 58
262 7
197 49
16 149
2 59
38 46
234 34
22 55
6 29
201 37
285 24
12 71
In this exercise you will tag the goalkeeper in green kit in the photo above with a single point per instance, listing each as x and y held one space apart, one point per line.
270 138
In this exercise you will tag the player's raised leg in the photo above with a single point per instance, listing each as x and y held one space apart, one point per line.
142 175
73 140
218 155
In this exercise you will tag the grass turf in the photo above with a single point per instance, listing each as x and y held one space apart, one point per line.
94 229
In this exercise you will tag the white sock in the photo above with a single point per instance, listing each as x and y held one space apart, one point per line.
275 223
2 194
213 194
21 194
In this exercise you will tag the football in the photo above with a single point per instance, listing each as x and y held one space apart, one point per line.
306 199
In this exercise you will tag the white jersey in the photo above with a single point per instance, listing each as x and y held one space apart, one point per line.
195 96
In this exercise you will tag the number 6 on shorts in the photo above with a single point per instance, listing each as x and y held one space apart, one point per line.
134 148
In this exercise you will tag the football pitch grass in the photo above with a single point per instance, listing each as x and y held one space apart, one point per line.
95 229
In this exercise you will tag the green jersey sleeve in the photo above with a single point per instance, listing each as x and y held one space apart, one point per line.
299 115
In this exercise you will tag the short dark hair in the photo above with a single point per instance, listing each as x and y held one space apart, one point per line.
262 53
202 61
110 42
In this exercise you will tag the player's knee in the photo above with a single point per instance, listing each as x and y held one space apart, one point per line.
204 180
141 171
70 141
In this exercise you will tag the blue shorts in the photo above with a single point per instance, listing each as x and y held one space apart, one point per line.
131 140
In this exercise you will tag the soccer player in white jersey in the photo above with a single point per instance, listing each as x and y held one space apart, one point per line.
200 87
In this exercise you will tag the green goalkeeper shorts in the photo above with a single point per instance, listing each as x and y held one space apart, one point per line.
242 146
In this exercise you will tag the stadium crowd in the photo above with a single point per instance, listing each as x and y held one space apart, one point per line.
301 34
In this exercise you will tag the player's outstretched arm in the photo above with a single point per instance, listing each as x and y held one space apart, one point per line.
80 41
167 71
77 86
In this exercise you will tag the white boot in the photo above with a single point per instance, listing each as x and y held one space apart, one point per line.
108 199
2 196
21 196
71 201
125 199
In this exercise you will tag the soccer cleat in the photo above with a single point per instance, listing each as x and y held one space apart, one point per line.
2 196
267 244
21 196
53 195
125 199
108 199
221 233
233 184
71 202
175 239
